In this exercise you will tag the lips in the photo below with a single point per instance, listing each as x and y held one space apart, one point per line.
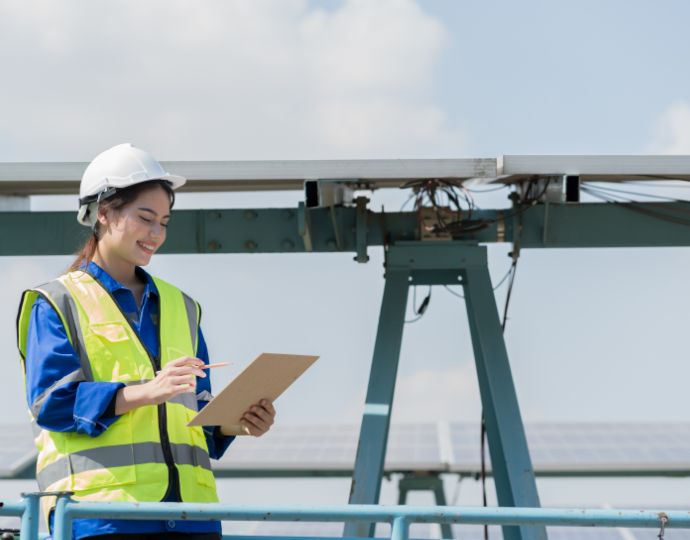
149 249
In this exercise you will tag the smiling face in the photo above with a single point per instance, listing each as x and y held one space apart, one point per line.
132 234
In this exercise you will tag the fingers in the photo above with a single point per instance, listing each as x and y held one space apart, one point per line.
253 427
186 369
259 418
268 405
182 380
187 362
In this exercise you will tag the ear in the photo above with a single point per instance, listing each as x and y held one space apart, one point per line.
102 215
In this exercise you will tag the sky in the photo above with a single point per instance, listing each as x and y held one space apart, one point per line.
593 335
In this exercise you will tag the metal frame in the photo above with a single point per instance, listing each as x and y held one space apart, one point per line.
400 517
33 178
425 482
354 229
445 263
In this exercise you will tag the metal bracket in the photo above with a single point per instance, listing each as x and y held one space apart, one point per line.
325 192
361 230
304 226
335 221
429 218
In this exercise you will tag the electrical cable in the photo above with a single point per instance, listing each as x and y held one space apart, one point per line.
451 291
627 192
643 208
421 310
406 201
495 287
658 184
503 186
513 269
482 446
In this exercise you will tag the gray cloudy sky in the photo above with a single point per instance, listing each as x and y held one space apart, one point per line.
593 334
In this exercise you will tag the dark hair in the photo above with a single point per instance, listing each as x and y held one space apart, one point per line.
117 201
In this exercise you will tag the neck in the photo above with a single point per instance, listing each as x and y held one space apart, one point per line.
117 268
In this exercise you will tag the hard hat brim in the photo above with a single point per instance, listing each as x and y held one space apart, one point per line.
83 214
120 182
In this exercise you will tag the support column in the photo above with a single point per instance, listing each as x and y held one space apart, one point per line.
427 482
510 460
373 436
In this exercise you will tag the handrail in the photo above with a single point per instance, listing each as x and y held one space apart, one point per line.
400 517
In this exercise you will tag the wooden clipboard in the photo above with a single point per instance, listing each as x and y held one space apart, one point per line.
267 377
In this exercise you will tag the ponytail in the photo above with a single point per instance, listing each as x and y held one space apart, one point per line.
86 253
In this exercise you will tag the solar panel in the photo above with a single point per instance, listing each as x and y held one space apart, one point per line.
332 448
624 449
63 177
602 448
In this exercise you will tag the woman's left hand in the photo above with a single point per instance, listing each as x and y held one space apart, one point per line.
259 418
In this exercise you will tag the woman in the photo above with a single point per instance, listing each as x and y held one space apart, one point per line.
114 361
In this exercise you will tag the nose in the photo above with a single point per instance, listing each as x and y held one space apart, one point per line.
157 231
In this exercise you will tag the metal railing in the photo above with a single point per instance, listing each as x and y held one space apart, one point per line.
399 517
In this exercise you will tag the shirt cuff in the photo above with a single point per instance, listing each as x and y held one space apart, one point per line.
94 409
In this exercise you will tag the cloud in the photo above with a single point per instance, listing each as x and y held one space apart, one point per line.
432 395
222 79
672 132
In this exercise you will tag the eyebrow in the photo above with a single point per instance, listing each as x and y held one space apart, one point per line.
143 208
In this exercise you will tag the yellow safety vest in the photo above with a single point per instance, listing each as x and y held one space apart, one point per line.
132 460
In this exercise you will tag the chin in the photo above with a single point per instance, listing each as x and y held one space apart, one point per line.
140 261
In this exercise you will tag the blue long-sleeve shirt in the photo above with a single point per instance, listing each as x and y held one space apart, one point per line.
89 407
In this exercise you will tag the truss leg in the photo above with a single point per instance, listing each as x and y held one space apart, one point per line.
425 482
373 435
403 490
440 496
510 460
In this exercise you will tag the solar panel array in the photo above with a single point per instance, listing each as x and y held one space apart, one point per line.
611 448
586 449
332 448
558 449
639 448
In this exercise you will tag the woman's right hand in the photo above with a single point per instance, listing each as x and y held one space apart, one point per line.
177 377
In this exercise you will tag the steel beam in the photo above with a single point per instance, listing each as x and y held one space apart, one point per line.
510 460
277 230
373 436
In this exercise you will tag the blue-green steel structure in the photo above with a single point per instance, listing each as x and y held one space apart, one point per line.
411 259
400 517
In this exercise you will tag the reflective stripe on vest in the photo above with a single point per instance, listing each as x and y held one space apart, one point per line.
129 452
56 294
119 456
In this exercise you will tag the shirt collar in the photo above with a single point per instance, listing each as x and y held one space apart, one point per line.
112 285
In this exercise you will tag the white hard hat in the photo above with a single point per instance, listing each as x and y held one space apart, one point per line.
118 167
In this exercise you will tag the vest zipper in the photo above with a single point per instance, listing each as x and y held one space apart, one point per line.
173 476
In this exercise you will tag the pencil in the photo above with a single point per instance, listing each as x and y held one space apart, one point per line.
219 364
209 366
